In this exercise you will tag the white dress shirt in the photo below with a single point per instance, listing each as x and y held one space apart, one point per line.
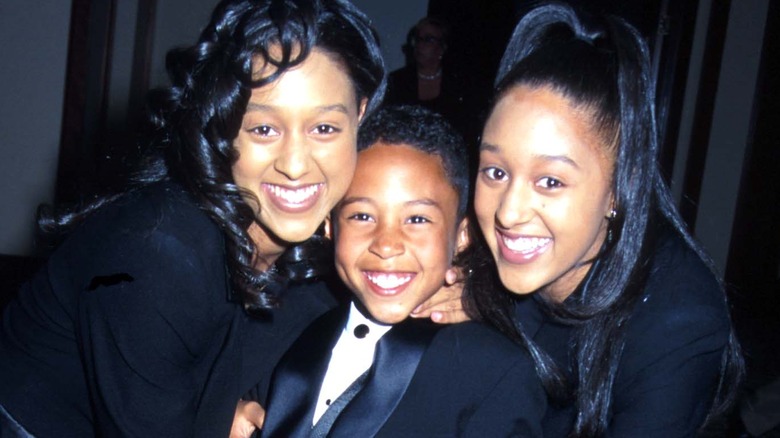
351 357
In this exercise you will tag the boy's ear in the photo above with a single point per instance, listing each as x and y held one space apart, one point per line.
455 274
328 228
463 239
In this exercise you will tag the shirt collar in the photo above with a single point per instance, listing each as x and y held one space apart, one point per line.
356 317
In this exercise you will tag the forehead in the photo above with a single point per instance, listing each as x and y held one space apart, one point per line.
319 77
426 28
546 122
401 168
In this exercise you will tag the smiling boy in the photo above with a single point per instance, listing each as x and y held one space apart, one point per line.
369 370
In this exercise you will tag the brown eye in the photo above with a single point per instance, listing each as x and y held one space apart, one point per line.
494 173
549 183
325 129
418 220
362 217
263 131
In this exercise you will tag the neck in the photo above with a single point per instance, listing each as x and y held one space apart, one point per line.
428 77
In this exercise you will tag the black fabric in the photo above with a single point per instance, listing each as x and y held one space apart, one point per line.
671 363
294 388
471 381
127 329
325 422
452 102
15 270
9 428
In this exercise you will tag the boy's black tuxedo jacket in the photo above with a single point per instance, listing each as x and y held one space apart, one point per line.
470 381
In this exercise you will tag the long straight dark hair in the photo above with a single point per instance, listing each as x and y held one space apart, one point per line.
192 124
600 64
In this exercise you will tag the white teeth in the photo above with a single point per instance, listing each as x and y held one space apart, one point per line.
297 196
389 281
526 244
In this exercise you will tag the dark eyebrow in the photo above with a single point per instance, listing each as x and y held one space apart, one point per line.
254 106
335 107
559 158
487 147
424 201
355 199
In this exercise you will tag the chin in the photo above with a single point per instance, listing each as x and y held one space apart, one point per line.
389 318
517 287
294 233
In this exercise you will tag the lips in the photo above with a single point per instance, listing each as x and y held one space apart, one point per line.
293 199
388 283
521 249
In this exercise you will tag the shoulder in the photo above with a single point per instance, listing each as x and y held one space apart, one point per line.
674 343
473 344
156 235
477 380
154 217
682 312
164 206
680 283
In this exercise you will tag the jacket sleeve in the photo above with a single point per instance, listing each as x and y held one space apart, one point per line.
514 407
671 363
152 320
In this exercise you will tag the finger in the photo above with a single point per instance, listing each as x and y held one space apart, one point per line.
256 414
448 312
249 416
445 295
449 317
447 298
454 275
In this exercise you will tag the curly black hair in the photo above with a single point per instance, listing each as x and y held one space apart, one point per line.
193 122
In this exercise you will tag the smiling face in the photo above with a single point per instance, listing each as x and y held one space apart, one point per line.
543 191
396 230
297 149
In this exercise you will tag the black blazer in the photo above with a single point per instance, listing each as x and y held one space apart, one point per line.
128 331
672 356
469 381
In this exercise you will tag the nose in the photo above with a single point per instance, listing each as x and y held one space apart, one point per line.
515 206
294 157
387 242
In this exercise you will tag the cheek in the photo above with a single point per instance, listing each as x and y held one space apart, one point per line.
241 172
338 165
437 251
485 204
344 256
250 162
591 211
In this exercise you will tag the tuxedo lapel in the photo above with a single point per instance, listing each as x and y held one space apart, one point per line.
397 355
322 428
297 379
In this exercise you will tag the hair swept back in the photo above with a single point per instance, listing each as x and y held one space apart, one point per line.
600 64
191 124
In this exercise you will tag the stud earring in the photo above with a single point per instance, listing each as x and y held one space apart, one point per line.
612 214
